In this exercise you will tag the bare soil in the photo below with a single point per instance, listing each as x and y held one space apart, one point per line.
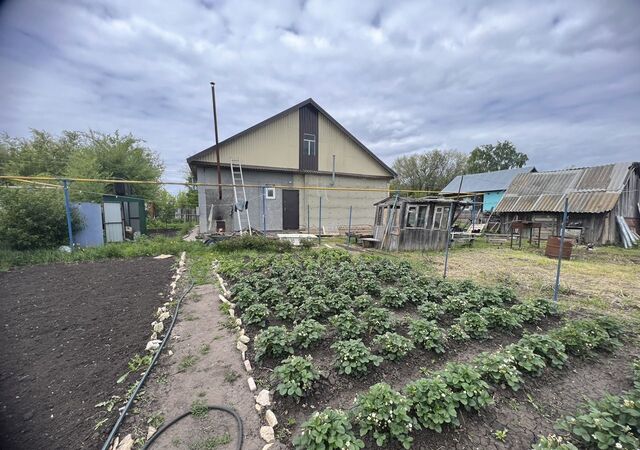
68 332
204 367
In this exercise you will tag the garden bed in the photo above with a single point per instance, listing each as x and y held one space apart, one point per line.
364 330
68 332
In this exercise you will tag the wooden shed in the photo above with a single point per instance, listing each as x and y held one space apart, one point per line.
596 196
403 223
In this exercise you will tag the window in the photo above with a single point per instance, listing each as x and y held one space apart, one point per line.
270 193
422 216
309 144
437 218
379 210
412 216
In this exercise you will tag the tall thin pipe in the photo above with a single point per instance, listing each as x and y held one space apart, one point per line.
215 127
67 208
564 226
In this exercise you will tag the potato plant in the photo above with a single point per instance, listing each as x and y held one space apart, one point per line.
433 403
430 310
526 359
256 314
308 332
499 368
353 357
274 342
393 346
499 317
378 319
474 324
467 385
295 376
552 350
347 325
427 334
393 298
328 430
285 311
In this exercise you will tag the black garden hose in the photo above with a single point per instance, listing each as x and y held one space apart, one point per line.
188 413
116 427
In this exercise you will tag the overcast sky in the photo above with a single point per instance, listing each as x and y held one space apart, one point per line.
559 79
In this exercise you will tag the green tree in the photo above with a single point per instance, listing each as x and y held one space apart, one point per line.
489 157
189 197
165 204
428 171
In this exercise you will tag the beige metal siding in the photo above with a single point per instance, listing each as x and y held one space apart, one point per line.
273 145
350 158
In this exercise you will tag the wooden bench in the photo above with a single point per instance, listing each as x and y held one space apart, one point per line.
359 232
369 242
463 238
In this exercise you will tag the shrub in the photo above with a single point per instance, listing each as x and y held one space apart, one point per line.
427 334
328 430
498 317
612 422
285 311
552 350
526 359
308 332
353 357
385 413
35 218
553 442
393 346
473 324
253 242
432 403
500 368
274 341
256 314
467 385
430 310
347 325
393 298
295 376
378 319
582 337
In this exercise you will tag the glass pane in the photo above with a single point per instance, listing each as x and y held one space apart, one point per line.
411 217
422 215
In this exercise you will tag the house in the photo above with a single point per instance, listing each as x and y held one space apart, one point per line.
283 159
487 187
596 195
405 223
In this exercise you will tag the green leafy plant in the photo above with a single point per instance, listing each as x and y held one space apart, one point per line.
433 403
393 346
499 317
308 332
314 308
256 314
457 333
427 334
274 341
363 302
500 368
552 350
385 413
527 312
582 337
501 435
245 297
467 385
474 324
526 359
285 310
430 310
458 304
393 298
328 430
295 376
636 374
347 325
553 442
378 319
353 357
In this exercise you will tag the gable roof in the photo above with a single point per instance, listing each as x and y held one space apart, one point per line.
271 119
498 180
589 189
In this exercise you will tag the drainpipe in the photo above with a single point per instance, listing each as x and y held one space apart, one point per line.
333 172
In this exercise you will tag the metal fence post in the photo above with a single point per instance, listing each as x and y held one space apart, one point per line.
308 217
320 221
446 249
349 231
264 209
67 206
564 224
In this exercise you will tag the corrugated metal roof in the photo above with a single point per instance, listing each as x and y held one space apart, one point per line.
589 190
486 181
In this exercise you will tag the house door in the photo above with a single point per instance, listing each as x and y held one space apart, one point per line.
290 209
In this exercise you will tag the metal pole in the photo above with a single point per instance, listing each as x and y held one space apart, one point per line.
264 209
308 217
67 206
320 221
446 249
564 224
349 232
215 126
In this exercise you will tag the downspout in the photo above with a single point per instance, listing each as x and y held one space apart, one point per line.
333 172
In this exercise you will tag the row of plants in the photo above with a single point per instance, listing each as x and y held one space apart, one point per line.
612 422
436 400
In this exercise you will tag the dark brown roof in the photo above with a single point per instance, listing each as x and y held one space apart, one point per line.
306 102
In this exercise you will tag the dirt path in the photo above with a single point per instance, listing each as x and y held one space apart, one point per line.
205 368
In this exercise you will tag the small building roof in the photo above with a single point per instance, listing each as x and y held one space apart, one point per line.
589 189
419 200
498 180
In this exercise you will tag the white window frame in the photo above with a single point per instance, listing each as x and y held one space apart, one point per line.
309 144
270 193
412 210
438 211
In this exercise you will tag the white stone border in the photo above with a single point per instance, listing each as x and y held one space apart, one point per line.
263 399
157 325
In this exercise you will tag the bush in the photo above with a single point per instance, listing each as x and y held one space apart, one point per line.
274 341
393 298
34 218
393 346
432 403
552 350
253 242
256 314
473 324
378 319
500 368
498 317
427 334
467 385
308 332
295 376
353 357
328 430
347 325
384 412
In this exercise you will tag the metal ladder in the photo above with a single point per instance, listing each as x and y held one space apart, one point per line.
238 179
